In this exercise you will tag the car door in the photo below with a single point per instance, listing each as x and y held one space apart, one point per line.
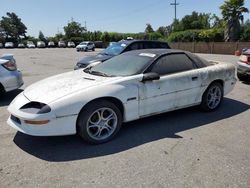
178 76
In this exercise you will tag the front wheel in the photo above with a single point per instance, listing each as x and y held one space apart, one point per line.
241 77
212 97
99 122
2 91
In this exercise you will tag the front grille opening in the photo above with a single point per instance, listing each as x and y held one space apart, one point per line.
15 119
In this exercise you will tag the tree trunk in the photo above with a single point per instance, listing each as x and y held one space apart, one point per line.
232 31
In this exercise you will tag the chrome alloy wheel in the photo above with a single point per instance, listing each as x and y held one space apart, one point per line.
102 123
214 97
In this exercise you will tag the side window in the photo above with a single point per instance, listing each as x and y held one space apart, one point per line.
172 63
134 46
147 45
163 45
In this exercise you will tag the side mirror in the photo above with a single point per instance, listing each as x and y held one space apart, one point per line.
150 76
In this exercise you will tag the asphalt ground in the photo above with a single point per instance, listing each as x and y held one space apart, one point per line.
184 148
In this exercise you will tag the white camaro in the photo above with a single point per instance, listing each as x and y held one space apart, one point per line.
95 101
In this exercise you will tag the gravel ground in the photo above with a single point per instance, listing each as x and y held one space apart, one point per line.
185 148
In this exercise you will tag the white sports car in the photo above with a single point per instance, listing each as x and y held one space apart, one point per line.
95 101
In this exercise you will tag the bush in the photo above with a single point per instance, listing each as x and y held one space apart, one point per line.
245 33
205 35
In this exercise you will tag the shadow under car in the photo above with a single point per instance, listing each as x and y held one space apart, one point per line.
132 134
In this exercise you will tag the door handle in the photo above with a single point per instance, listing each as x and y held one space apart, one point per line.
194 78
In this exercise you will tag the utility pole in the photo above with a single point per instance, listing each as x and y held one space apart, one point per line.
85 25
175 6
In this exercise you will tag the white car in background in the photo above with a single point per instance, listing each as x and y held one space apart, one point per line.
51 44
9 45
61 44
243 66
30 44
71 44
95 101
85 46
10 77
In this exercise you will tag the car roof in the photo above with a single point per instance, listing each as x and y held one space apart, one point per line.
157 52
134 40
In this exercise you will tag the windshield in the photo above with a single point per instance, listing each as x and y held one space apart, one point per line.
83 43
114 49
122 65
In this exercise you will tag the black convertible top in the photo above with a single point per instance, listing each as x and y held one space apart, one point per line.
157 52
200 62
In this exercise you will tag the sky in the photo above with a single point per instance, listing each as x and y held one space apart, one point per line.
50 16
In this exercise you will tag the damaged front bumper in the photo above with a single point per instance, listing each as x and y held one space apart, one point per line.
39 124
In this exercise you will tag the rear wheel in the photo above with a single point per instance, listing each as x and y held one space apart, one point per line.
99 122
212 97
93 49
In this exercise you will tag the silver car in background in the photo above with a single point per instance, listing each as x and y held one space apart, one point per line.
40 44
10 77
85 46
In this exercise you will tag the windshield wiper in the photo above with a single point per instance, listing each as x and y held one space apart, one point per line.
87 70
100 73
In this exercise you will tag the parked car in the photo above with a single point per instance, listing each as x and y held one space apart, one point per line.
9 45
117 48
243 65
21 45
94 102
85 46
71 44
40 44
10 77
51 44
1 45
61 44
30 44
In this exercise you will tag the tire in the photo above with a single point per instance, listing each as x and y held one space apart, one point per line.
2 90
93 49
241 77
93 125
212 97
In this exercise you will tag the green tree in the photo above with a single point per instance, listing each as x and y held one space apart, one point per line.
194 21
41 36
245 31
105 37
149 28
232 12
74 29
13 26
164 31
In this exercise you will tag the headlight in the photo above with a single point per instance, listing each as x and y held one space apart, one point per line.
36 108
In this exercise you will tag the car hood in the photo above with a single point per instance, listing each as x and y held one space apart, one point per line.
56 87
2 61
91 59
